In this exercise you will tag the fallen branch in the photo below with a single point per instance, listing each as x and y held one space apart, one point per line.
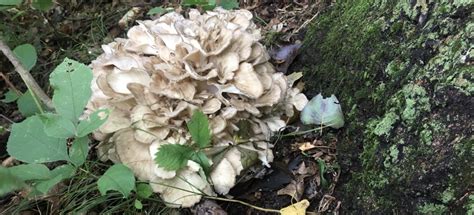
26 76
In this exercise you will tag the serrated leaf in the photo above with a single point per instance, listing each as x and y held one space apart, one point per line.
119 178
79 150
10 2
27 105
201 159
26 54
71 82
10 96
92 123
323 111
32 171
9 182
247 157
57 175
43 5
229 4
28 142
144 190
173 156
57 126
198 126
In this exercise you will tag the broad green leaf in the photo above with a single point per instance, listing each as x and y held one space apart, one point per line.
26 53
79 150
173 156
92 123
43 5
138 204
32 171
198 126
247 157
71 82
27 105
9 182
156 11
229 4
10 96
10 2
28 142
119 178
321 111
201 159
57 126
57 175
144 190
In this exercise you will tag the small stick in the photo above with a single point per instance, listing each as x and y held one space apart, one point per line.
9 83
25 75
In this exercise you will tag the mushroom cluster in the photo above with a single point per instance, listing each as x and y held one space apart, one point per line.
167 68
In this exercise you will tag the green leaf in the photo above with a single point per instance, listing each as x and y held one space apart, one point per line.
57 175
26 53
28 142
10 2
322 170
321 111
43 5
144 190
94 121
229 4
32 171
247 157
27 105
156 11
173 156
245 131
119 178
79 150
9 182
201 159
57 126
71 81
10 96
138 204
198 126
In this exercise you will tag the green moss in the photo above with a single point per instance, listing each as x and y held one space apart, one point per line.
390 70
384 126
447 195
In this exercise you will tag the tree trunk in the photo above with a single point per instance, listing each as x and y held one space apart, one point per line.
403 73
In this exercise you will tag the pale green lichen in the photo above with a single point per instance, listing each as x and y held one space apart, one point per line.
416 101
447 195
384 126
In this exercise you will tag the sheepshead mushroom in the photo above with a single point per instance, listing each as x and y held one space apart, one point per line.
166 69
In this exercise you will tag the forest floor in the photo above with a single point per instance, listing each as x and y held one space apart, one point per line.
305 166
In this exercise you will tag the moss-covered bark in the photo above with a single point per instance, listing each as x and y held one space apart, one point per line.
403 72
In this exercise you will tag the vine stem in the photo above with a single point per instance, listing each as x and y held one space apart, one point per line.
26 76
243 203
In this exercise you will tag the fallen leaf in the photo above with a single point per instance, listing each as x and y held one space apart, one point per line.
298 208
306 146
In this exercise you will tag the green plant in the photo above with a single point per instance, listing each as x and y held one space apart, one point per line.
44 138
175 156
211 4
43 5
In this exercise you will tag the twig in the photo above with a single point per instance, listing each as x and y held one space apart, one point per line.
26 76
9 83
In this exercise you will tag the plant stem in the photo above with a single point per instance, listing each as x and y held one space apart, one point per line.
243 203
26 76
